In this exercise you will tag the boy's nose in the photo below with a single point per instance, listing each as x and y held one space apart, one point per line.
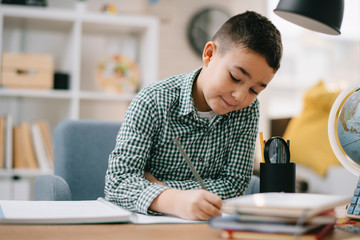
239 95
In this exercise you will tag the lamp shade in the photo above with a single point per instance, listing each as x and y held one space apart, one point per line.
323 16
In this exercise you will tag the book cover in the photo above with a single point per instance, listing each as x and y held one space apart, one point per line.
28 146
2 141
317 234
284 204
39 146
18 159
9 142
24 154
46 136
230 222
323 218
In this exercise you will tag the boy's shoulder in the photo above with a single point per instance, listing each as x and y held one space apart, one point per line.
173 82
169 89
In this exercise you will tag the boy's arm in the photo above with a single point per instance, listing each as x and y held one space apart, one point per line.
125 182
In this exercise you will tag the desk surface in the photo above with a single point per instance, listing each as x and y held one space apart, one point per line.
124 231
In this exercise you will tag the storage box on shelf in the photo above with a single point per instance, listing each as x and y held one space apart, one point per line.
27 71
76 41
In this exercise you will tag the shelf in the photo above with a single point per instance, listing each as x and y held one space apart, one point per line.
57 94
24 172
64 94
77 41
38 13
96 20
93 95
99 22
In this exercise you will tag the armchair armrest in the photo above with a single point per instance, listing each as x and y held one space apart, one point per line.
254 185
51 188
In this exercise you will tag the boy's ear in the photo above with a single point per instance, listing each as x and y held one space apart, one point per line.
209 52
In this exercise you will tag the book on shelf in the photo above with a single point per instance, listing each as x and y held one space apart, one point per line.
32 147
284 204
39 147
2 141
47 139
8 141
24 154
316 234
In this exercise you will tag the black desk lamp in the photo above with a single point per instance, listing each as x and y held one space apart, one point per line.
323 16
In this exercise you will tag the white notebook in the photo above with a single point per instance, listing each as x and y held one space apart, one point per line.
75 212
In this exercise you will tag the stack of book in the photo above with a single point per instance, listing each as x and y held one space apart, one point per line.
26 145
278 216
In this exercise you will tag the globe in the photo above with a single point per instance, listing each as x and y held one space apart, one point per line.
344 128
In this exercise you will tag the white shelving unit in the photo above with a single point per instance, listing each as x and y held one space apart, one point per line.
77 40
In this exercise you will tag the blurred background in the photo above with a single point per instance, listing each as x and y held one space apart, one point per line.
152 40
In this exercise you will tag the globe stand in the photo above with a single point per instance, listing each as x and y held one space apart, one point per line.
344 138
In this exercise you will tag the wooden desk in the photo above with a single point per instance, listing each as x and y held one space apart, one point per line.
124 231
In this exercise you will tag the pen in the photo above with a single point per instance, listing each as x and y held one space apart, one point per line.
262 145
189 163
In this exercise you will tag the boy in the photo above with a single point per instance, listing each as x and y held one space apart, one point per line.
212 111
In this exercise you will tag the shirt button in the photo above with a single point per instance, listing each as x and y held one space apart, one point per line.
201 159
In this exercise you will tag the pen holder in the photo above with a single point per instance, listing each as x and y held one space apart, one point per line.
277 177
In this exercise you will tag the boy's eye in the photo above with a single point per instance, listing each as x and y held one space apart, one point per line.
253 91
233 78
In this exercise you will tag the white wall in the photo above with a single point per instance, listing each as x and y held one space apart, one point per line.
175 53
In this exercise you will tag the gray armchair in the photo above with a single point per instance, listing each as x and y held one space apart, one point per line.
81 150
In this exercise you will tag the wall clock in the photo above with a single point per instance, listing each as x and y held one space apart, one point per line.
203 25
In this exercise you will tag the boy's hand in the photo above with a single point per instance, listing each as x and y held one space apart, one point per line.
188 204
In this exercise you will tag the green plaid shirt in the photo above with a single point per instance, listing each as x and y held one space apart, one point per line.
221 151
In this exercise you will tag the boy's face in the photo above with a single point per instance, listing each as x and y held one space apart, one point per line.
230 81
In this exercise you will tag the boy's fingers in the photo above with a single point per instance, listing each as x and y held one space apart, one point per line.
214 200
209 210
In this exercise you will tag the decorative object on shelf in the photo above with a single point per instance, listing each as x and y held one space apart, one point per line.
109 9
61 81
203 25
38 3
119 74
27 71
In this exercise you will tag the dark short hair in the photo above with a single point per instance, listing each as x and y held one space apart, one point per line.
253 31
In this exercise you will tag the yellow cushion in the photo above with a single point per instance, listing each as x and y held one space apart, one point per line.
308 132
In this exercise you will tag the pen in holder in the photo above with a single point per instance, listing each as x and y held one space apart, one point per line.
277 174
